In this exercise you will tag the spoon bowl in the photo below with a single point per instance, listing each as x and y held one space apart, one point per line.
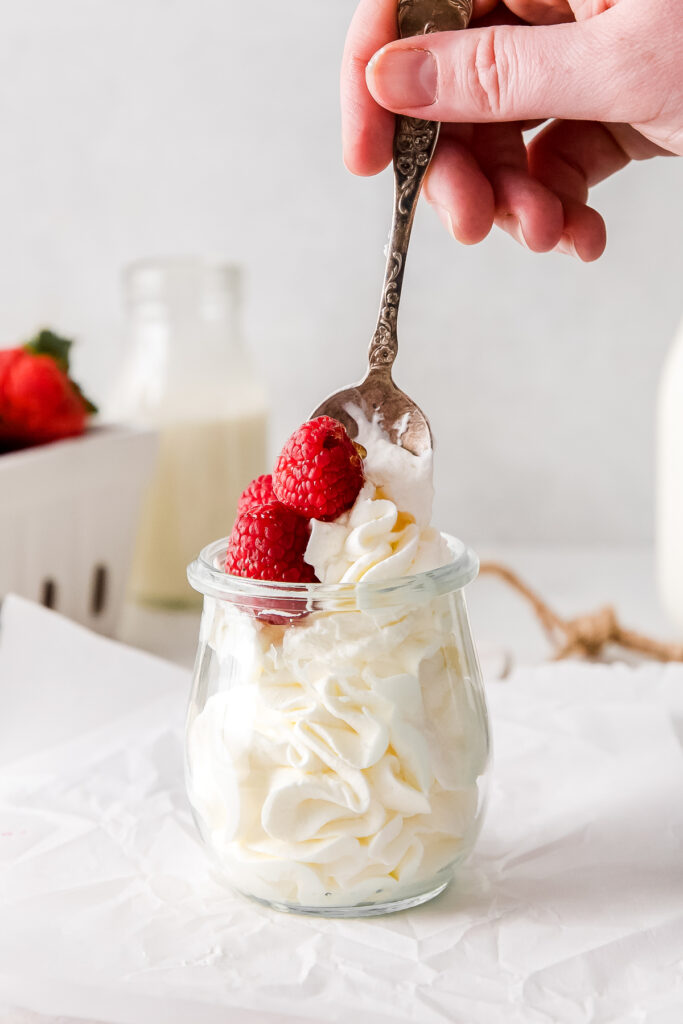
378 400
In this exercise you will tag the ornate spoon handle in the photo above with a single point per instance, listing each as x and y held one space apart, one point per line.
414 145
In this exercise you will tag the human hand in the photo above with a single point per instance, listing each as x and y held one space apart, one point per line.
607 74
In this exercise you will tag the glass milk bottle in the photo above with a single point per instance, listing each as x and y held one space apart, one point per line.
188 375
670 483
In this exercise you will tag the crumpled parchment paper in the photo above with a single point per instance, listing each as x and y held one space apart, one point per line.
570 911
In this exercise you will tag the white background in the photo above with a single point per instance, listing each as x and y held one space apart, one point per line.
152 127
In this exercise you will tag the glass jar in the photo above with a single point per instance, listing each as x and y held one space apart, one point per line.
187 374
337 739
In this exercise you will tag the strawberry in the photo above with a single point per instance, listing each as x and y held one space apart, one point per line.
319 473
38 400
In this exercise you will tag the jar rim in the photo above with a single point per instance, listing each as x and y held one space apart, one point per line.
208 578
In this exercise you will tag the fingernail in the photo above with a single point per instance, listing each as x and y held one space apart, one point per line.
513 226
567 247
444 216
403 78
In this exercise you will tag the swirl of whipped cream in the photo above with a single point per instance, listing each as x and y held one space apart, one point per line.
373 541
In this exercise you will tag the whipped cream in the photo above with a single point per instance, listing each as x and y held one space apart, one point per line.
387 533
343 762
340 760
406 478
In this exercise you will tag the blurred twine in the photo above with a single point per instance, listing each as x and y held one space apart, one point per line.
587 635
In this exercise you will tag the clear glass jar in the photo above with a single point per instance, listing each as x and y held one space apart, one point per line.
337 740
187 373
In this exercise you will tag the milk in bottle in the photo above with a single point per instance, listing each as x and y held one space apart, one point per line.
187 374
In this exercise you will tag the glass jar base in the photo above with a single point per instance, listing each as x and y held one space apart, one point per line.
360 910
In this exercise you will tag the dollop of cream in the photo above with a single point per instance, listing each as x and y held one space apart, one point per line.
406 479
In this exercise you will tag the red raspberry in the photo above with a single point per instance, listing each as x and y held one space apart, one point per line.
319 472
259 492
268 542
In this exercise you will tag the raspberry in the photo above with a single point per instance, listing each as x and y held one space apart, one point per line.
259 492
319 472
268 542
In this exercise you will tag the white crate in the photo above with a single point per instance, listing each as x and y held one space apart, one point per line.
68 516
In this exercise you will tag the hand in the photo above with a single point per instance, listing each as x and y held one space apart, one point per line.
606 72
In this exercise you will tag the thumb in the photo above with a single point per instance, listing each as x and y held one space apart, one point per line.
506 73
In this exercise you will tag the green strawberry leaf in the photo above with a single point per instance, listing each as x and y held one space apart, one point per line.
47 343
90 407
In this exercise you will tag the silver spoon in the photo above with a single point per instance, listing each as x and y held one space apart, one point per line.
377 397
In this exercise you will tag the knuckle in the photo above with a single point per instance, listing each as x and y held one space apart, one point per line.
354 67
492 72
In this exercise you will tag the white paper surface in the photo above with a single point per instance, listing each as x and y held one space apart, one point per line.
571 910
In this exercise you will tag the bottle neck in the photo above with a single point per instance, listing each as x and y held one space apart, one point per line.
186 299
186 358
